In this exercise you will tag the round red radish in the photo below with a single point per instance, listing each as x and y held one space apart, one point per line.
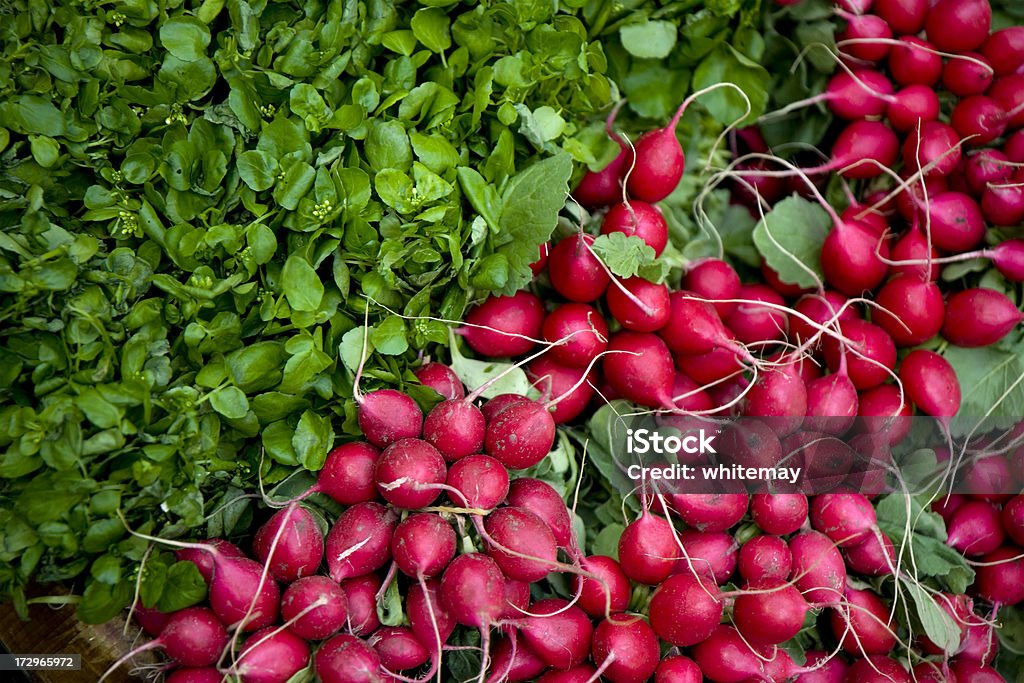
769 612
398 648
931 383
871 34
654 313
567 390
346 659
578 334
322 604
455 428
520 435
193 637
607 594
915 62
765 557
575 271
204 559
540 498
512 324
912 105
685 610
473 590
631 646
408 473
910 310
850 258
914 246
299 548
956 222
935 147
640 219
1005 50
862 625
640 369
347 474
428 619
600 188
725 657
677 669
648 550
869 353
271 655
713 279
818 569
441 379
858 95
560 632
360 541
482 481
874 556
779 514
241 590
361 593
958 25
979 317
524 546
387 415
423 544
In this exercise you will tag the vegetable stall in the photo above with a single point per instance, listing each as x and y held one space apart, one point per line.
335 337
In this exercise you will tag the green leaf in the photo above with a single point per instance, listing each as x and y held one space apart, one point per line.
475 373
624 255
985 375
790 236
649 40
389 610
301 284
725 65
389 337
936 622
430 25
607 541
387 146
183 588
313 437
230 402
185 37
101 602
257 169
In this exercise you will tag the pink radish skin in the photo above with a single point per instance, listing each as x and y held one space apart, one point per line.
694 326
870 341
780 397
831 404
150 619
655 298
912 104
974 529
980 118
966 77
195 675
979 317
387 415
711 512
398 648
192 637
423 544
500 403
204 560
300 545
569 390
360 541
913 246
779 514
271 657
725 657
904 17
516 665
846 518
705 368
818 569
820 308
877 669
648 550
1000 576
958 25
441 379
638 219
361 593
850 258
987 166
543 500
455 428
956 220
347 475
473 590
865 628
713 279
771 612
521 435
575 272
423 618
633 644
688 396
517 598
408 473
936 143
677 669
684 610
598 189
542 259
871 557
931 383
560 634
1008 258
712 555
319 622
865 27
1006 90
1012 517
765 557
346 659
915 62
582 331
236 593
521 314
910 201
753 324
578 674
1004 49
883 409
964 671
482 480
852 100
642 370
862 148
596 598
523 533
833 670
1003 206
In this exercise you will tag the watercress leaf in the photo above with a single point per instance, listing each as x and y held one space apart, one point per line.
301 284
230 402
790 236
185 37
475 373
649 40
257 169
624 255
725 65
183 587
389 336
430 26
313 437
387 146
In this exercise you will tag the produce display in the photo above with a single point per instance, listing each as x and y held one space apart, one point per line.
358 341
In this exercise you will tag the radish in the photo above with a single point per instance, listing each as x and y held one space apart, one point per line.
823 667
694 327
779 514
567 391
863 627
818 569
1003 205
710 512
387 415
473 590
709 554
325 601
677 669
520 435
299 548
627 310
852 258
873 556
195 675
1012 517
538 266
625 649
192 637
577 332
543 500
454 427
558 631
583 673
855 95
150 619
202 557
713 279
999 576
1006 90
915 62
688 396
347 474
685 610
423 544
648 549
958 25
753 324
988 477
504 325
575 272
521 544
705 368
910 311
964 671
606 594
869 354
1004 49
979 317
971 75
360 541
517 598
441 379
936 145
725 657
985 167
409 473
481 482
271 655
979 118
931 383
428 618
846 518
914 255
877 669
1008 258
831 404
765 557
751 443
361 593
346 659
642 370
905 17
769 611
871 34
956 221
398 648
241 591
912 105
514 661
959 608
974 529
598 189
821 309
779 396
640 219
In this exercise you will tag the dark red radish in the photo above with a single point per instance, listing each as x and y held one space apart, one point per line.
1004 49
607 594
575 271
820 308
754 324
779 514
190 674
779 397
979 119
988 478
428 618
980 642
542 260
904 17
857 94
868 35
707 368
1006 90
852 258
150 619
598 189
912 105
521 544
520 435
361 593
974 529
862 150
913 247
513 661
271 655
846 518
625 648
640 369
203 559
910 310
499 403
1008 258
872 218
979 317
915 62
1002 204
751 443
517 598
677 669
473 590
869 353
710 512
398 648
862 624
684 610
584 673
240 590
360 541
832 404
818 569
770 611
911 199
505 325
709 554
648 549
877 669
965 671
346 659
567 391
347 474
713 279
192 637
297 543
558 632
765 557
884 409
694 326
441 379
688 396
1012 517
958 25
540 498
935 147
455 428
482 481
409 472
955 221
651 316
823 667
639 219
322 604
423 544
873 556
931 383
578 332
387 415
725 657
1000 576
969 75
985 167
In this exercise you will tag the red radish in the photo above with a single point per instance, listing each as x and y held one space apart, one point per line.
677 669
877 669
455 428
780 397
325 601
911 105
240 590
598 189
911 200
694 326
858 94
910 311
575 271
517 598
583 673
654 313
915 62
499 403
192 637
765 557
885 409
861 150
567 390
769 612
203 559
874 556
779 514
1007 92
387 415
935 146
409 472
521 544
751 185
821 308
1003 204
520 435
863 626
964 671
423 544
818 569
482 481
913 247
905 17
607 594
846 518
538 265
299 548
850 258
1008 258
970 75
708 554
514 661
979 119
725 657
979 317
987 166
441 379
398 648
823 667
640 219
578 334
195 675
271 655
626 649
1012 517
428 619
346 659
361 593
988 478
753 324
512 324
869 352
641 370
956 221
713 279
705 368
958 25
1004 49
831 404
871 34
150 619
979 643
710 512
360 541
347 474
685 610
1000 576
751 443
931 383
544 501
688 396
648 550
473 590
560 632
974 529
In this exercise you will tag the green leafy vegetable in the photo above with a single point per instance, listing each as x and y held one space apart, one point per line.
790 236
